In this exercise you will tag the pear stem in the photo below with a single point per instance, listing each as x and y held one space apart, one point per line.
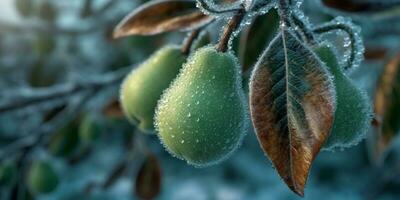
354 48
187 45
233 24
306 33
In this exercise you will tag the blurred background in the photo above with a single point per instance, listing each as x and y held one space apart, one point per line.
80 146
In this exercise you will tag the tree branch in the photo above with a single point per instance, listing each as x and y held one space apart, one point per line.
27 97
233 24
27 143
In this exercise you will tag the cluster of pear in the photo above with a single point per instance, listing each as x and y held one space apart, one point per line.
41 176
195 103
43 9
67 141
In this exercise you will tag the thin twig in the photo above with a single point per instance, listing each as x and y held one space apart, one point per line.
105 7
261 5
28 97
305 31
119 169
233 24
87 8
27 143
189 41
351 34
204 5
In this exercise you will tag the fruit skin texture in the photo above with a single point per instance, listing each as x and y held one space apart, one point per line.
353 112
201 118
144 86
42 178
8 173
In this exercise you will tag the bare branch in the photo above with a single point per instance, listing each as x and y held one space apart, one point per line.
27 143
29 97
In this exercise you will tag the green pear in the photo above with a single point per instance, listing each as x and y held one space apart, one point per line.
144 86
353 113
8 173
201 118
45 74
47 11
44 45
42 178
64 142
89 129
24 7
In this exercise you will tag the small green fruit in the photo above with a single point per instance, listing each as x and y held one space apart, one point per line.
47 11
353 112
8 173
65 142
89 129
45 74
24 7
44 44
42 178
144 86
201 118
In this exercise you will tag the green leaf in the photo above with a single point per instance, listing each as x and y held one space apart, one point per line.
292 103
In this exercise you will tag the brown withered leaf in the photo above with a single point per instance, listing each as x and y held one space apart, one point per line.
162 16
148 180
387 106
292 104
362 6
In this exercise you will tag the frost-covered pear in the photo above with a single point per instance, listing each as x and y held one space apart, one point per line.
144 86
42 178
353 112
201 118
